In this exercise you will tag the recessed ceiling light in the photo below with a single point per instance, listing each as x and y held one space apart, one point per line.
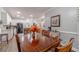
18 12
31 15
43 17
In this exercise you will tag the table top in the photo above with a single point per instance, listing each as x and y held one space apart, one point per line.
39 44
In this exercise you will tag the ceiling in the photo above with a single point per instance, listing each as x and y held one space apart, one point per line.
26 12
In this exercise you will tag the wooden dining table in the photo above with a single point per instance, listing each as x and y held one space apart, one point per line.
40 43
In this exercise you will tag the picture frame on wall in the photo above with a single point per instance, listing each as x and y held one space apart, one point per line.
55 21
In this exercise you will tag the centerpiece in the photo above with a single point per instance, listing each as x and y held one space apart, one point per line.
34 29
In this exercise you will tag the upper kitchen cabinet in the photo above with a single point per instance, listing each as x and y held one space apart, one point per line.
3 16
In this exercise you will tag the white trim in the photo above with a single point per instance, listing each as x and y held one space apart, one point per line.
68 32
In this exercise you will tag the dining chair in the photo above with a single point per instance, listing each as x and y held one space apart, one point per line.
46 33
18 43
66 48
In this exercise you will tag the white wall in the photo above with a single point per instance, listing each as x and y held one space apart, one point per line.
8 19
68 18
68 23
0 13
78 20
78 28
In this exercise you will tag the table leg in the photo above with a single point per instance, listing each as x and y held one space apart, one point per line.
7 38
1 39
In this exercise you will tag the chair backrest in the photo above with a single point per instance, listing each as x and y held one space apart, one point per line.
18 43
46 33
66 48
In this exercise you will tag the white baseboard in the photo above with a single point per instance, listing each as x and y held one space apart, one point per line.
74 33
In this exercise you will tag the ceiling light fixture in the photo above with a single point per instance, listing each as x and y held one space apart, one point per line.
18 12
31 15
43 17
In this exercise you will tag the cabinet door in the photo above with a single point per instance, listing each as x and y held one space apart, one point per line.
4 17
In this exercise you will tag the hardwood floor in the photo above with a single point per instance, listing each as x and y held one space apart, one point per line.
10 47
